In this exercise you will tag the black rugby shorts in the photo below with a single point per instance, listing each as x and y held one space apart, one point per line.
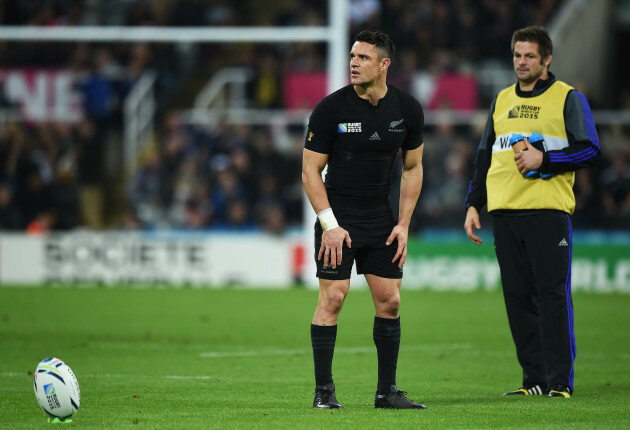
369 250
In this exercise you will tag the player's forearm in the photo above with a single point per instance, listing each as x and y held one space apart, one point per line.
410 187
313 164
315 190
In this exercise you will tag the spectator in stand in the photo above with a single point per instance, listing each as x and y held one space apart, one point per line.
139 14
12 142
616 186
139 61
466 40
447 167
453 87
176 144
364 14
9 218
143 192
90 153
272 219
405 74
241 162
268 194
267 92
226 188
499 23
587 200
444 136
65 181
34 194
239 216
97 86
185 209
188 13
268 159
199 210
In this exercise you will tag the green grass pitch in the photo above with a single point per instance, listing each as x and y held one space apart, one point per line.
241 359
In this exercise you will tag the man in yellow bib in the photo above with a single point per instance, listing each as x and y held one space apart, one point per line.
529 192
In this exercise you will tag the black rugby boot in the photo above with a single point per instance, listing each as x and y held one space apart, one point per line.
395 399
325 397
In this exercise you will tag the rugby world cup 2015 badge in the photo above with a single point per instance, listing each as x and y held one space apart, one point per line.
349 127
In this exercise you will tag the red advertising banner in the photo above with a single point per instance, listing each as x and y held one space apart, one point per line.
43 95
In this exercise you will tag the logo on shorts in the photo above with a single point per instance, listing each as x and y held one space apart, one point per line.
563 242
328 269
349 127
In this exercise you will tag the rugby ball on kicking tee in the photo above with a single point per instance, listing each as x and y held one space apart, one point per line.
56 389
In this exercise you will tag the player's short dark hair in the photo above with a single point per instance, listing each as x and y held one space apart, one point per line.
537 34
381 41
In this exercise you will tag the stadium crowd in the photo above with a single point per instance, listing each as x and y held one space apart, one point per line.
64 175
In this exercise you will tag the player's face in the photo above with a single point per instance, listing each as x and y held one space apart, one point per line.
365 65
528 63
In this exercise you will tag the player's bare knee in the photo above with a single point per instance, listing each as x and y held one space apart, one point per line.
392 310
334 302
389 307
331 301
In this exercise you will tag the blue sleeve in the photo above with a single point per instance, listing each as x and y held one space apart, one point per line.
583 150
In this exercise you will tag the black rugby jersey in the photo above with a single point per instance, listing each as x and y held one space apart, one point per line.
362 141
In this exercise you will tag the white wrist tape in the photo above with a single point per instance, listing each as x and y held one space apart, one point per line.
327 219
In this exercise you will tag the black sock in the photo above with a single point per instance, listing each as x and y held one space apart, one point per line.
387 340
323 341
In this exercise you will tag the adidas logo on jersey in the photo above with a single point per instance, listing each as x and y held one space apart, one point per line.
375 136
563 242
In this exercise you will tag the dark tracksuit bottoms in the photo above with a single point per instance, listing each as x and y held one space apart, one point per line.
534 255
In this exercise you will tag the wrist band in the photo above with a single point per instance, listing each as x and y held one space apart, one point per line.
327 219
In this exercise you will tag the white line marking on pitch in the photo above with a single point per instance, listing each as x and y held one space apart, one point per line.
191 377
340 350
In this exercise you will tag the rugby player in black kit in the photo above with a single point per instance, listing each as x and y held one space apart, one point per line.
357 131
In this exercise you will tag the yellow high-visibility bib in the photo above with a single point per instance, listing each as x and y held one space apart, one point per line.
507 188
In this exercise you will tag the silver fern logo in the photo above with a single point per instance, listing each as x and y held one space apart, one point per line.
394 124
